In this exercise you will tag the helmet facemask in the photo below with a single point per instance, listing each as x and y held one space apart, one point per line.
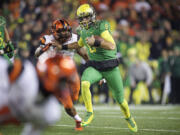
86 21
62 36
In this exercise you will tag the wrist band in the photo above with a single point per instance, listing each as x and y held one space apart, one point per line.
64 47
97 43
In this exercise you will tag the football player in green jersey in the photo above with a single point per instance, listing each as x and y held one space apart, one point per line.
96 37
6 46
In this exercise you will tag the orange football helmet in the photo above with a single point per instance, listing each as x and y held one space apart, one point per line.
61 30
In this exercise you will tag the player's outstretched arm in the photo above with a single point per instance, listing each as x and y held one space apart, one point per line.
38 51
41 50
67 46
80 50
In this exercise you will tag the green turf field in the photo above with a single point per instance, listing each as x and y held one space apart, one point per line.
151 120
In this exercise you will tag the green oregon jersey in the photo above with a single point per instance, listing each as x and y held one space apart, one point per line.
2 36
96 53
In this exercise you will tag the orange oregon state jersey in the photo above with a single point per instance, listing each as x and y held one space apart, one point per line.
54 70
47 40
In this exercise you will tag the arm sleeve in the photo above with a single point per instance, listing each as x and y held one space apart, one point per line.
105 32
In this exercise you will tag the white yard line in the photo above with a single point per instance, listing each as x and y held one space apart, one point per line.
140 117
104 110
169 112
132 107
150 130
141 112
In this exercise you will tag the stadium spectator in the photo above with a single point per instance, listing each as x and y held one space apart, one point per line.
143 46
174 63
142 5
140 71
156 46
163 74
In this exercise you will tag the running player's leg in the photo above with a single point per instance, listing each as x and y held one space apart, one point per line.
66 100
75 87
114 81
90 76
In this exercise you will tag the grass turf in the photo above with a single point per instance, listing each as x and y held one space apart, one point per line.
108 120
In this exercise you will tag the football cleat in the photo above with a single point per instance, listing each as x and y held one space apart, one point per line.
132 124
88 118
78 126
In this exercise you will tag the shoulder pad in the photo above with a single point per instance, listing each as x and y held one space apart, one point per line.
104 25
42 40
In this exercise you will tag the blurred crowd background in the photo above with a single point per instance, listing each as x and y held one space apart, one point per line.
147 34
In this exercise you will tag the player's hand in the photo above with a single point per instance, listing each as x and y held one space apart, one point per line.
56 44
102 81
90 40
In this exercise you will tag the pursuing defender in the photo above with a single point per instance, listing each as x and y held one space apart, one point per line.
61 33
96 37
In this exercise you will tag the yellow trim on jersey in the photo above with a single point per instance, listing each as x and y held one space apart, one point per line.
107 36
80 42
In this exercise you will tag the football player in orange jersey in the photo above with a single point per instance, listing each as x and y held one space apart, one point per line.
61 32
58 75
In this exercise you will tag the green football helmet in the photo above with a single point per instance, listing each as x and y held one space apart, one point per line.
86 15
